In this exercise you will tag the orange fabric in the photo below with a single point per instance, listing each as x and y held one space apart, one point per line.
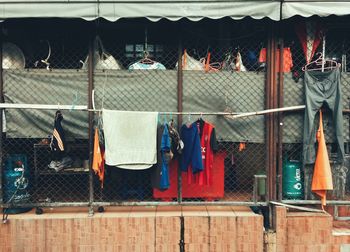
184 63
322 178
98 159
287 59
207 62
241 146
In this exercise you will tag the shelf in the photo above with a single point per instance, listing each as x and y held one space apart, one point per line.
65 171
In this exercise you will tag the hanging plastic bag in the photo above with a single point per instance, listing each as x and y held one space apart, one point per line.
102 59
190 63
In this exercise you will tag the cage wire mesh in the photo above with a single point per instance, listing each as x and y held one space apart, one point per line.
336 48
50 74
223 71
232 79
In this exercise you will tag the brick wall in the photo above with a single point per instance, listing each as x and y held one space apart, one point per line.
307 232
139 229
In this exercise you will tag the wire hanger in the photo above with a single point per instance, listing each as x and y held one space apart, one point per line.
321 64
146 59
188 123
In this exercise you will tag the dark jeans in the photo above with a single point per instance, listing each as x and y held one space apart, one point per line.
322 88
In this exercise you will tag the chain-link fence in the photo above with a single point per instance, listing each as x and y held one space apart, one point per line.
136 67
303 43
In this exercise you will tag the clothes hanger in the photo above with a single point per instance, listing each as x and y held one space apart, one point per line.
188 123
211 67
146 59
321 64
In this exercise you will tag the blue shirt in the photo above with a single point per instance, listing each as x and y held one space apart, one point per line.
165 147
191 154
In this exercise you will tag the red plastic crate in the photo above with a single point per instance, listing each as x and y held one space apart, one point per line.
208 192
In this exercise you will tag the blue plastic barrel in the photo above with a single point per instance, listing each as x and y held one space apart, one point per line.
16 183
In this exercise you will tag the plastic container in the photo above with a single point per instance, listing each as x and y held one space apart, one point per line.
16 183
292 179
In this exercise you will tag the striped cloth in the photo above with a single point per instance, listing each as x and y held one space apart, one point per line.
58 141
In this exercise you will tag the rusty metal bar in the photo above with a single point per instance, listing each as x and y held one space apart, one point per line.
280 121
270 123
91 116
179 108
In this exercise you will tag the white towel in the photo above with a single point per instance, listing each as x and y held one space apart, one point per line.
130 138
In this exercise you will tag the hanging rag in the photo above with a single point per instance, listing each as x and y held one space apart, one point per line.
322 177
58 141
130 138
190 63
98 159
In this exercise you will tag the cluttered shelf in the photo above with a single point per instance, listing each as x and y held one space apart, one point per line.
75 160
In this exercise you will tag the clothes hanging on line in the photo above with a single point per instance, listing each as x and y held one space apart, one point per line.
190 63
58 146
98 158
322 88
58 140
130 138
191 157
208 147
160 174
168 148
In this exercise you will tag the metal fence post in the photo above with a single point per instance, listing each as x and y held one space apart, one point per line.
179 108
1 124
280 120
270 120
91 116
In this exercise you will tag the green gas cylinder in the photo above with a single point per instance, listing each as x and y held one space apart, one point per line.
292 180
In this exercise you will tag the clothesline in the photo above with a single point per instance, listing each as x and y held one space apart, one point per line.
231 115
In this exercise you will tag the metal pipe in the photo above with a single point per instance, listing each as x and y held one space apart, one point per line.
46 204
42 106
229 115
179 108
156 203
267 121
1 118
280 119
186 203
316 202
274 118
270 127
91 115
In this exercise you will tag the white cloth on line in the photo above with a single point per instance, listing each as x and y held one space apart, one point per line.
130 138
